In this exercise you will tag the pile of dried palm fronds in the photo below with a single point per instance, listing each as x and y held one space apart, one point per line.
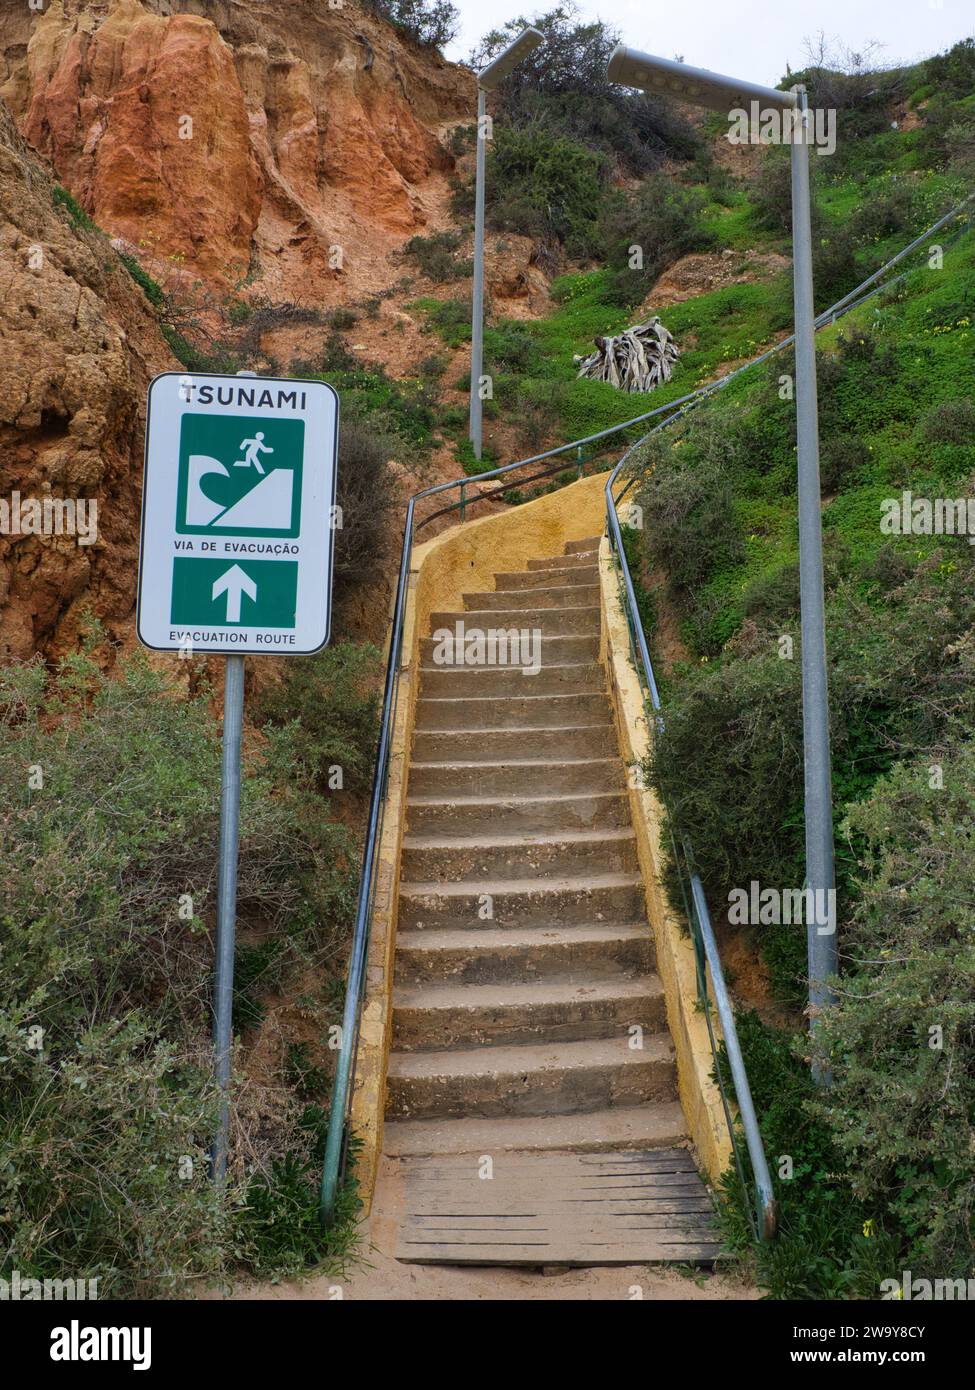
638 359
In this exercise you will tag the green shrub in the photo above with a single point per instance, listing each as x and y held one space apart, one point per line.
563 85
239 312
152 291
951 422
853 83
841 457
110 789
436 256
450 318
76 213
310 1081
690 513
772 189
901 1038
952 73
331 702
662 220
728 765
829 1245
513 347
382 419
773 596
278 1231
366 495
645 603
340 320
432 23
544 185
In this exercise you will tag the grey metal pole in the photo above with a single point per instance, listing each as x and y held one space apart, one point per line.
223 984
820 873
477 300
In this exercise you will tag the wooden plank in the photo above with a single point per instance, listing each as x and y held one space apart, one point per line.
557 1208
545 1254
652 1161
540 1193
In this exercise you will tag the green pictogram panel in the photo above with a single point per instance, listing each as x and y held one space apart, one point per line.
239 475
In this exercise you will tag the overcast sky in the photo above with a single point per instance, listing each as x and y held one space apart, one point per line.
752 39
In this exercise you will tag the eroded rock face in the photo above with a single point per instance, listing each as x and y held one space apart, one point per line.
276 137
701 272
79 346
143 118
517 285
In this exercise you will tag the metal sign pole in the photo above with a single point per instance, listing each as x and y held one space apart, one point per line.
820 873
477 297
223 980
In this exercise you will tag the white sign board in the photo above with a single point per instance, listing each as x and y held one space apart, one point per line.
238 515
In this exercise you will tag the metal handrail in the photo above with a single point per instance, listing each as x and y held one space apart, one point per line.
336 1147
699 918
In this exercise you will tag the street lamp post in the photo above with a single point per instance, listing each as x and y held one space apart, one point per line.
676 80
487 79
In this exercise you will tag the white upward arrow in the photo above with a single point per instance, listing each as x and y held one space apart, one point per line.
233 583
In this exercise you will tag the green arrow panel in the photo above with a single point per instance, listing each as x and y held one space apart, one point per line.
228 592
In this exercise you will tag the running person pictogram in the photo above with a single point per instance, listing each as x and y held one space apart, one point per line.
251 448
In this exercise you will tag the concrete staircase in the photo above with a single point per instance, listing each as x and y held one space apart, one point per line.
525 974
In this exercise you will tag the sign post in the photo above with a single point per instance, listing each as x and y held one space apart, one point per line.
236 558
223 975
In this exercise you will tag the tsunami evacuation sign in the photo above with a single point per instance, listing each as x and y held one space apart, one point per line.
238 511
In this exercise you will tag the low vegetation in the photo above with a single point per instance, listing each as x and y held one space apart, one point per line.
111 795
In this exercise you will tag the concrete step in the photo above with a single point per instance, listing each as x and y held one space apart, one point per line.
530 1078
591 951
511 711
558 562
554 650
501 903
434 1017
559 574
475 858
515 600
581 620
596 740
656 1125
583 547
481 682
472 815
511 776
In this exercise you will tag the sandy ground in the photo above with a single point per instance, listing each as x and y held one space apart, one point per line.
378 1276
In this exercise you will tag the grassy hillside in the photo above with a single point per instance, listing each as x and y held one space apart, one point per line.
872 196
881 1164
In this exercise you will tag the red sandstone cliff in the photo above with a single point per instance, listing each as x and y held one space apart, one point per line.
236 137
78 346
309 129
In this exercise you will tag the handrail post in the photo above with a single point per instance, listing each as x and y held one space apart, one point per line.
736 1062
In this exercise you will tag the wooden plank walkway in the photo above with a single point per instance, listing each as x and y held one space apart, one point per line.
557 1208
